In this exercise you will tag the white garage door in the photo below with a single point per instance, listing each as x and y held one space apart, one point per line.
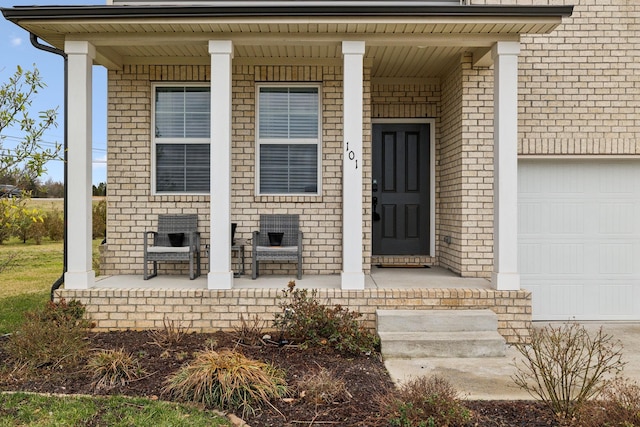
579 238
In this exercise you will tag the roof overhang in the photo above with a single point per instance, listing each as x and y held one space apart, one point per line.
419 38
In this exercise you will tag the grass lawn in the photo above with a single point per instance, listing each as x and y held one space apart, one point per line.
22 409
29 267
26 279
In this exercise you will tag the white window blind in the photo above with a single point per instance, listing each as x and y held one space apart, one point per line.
288 137
182 168
182 132
183 112
288 168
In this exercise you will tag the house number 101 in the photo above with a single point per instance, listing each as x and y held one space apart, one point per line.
352 155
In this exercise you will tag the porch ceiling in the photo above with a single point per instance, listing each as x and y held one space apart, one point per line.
414 46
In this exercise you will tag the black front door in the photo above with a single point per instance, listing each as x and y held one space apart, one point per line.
401 189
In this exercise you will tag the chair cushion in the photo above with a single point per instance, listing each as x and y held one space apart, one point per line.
167 249
292 249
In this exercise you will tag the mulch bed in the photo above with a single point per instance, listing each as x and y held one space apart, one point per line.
365 377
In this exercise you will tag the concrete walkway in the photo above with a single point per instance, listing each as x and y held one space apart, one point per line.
490 377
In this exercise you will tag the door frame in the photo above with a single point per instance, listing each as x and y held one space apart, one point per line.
432 170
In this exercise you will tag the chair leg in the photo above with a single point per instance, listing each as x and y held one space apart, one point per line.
299 270
198 267
148 276
254 268
192 274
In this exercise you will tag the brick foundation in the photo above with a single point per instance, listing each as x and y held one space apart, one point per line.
205 310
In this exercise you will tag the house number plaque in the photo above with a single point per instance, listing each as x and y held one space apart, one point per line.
352 155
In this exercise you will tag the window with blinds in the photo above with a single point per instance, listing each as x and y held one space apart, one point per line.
182 120
288 139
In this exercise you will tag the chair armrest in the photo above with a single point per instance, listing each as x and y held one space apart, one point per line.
254 240
194 240
148 234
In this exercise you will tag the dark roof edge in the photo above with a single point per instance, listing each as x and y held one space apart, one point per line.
333 8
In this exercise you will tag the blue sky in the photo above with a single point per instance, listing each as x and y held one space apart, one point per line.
16 49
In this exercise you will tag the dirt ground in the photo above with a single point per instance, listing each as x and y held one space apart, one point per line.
365 378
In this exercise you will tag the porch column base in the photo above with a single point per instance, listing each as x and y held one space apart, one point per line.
79 280
505 281
222 280
352 280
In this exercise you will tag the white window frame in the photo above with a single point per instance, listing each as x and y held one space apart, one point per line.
284 141
155 141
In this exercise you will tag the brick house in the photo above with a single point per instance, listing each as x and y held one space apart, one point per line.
485 137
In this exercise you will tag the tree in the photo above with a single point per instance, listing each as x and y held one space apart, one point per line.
16 97
100 190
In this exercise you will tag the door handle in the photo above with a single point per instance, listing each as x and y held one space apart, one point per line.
376 215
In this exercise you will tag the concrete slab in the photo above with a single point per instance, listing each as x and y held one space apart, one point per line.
490 377
380 278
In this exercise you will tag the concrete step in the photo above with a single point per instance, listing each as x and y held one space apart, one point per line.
410 345
436 320
439 333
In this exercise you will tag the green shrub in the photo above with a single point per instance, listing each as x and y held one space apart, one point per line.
9 209
617 406
37 231
227 380
303 318
424 402
100 219
24 221
50 336
54 224
564 366
111 368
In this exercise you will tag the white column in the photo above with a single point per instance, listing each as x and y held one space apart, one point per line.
220 273
79 273
505 187
352 217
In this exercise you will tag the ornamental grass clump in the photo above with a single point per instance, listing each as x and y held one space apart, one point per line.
565 366
227 380
306 320
112 368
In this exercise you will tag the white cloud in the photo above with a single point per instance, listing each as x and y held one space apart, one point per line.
16 41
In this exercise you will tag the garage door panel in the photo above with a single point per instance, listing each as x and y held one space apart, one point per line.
560 302
530 218
566 258
615 181
615 299
616 218
579 238
616 259
531 259
566 218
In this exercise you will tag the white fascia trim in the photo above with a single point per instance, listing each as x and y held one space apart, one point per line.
267 3
580 156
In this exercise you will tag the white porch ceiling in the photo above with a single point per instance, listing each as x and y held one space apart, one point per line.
400 48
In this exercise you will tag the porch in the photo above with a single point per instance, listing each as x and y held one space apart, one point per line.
129 302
